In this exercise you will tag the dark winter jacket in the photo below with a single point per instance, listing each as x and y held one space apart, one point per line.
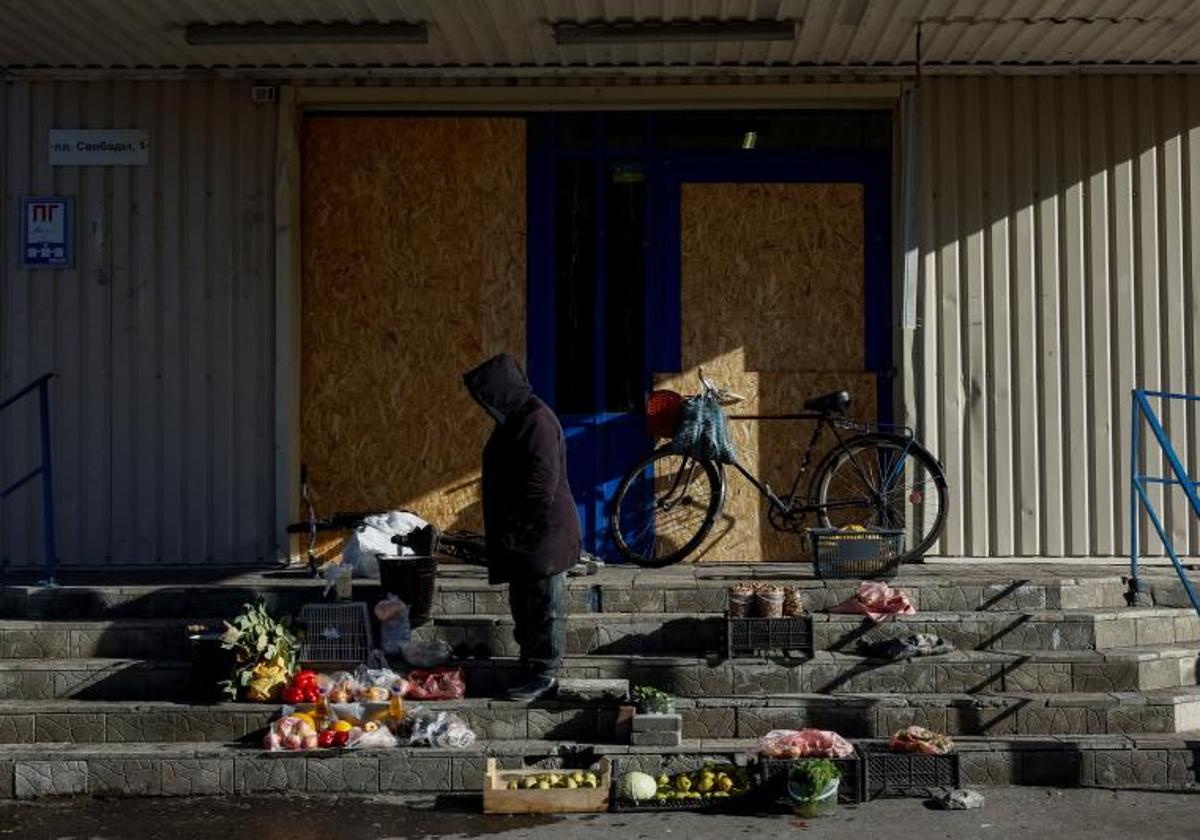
529 517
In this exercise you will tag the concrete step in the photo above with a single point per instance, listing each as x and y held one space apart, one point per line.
971 672
638 633
189 769
854 715
683 633
464 591
163 638
95 679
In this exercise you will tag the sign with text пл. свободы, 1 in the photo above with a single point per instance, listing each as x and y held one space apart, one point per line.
99 147
47 232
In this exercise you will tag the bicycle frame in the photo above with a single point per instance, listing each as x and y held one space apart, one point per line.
791 507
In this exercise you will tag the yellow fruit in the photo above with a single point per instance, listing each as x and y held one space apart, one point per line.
530 782
683 784
342 726
725 783
543 785
664 780
512 785
572 784
305 716
705 785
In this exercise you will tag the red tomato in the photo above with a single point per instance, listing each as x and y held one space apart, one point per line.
293 695
341 739
326 739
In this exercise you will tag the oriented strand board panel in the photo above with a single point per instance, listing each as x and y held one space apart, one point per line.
790 259
414 271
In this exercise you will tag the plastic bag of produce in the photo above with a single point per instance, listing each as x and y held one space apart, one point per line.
805 743
439 729
436 684
375 737
394 628
293 731
375 685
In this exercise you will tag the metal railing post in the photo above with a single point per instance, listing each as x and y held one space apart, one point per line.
1135 423
49 541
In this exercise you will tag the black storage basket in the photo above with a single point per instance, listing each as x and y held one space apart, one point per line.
856 555
909 774
754 636
773 774
413 580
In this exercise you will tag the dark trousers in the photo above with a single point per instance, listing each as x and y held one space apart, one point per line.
539 611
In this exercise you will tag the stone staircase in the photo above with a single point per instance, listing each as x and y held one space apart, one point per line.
1056 681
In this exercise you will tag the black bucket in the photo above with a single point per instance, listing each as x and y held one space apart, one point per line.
413 580
211 664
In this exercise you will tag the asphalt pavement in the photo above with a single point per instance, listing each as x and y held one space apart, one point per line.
1009 813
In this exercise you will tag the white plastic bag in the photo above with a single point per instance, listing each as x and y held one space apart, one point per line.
394 627
374 537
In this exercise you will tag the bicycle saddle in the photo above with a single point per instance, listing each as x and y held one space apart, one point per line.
834 403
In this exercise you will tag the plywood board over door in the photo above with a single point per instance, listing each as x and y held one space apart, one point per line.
772 306
413 251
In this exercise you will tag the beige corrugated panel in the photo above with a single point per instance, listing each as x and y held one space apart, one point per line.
1059 269
161 336
513 33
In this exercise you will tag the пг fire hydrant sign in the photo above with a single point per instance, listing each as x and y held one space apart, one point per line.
47 232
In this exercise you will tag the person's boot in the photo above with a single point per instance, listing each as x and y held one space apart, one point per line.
537 688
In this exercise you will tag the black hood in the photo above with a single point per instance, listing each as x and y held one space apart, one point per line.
499 385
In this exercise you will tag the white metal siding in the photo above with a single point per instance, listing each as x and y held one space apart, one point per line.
162 335
1060 258
513 33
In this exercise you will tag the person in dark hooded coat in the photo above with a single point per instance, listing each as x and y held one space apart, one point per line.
530 520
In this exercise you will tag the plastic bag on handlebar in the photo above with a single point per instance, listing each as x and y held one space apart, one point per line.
704 431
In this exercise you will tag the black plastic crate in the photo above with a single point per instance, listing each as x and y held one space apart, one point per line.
773 774
856 555
909 774
752 636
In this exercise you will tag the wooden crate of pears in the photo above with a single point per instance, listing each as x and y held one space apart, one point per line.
532 791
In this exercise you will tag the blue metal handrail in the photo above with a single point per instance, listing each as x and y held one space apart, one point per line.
1143 410
44 469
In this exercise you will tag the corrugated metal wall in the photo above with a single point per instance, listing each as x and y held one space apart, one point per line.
162 336
1060 252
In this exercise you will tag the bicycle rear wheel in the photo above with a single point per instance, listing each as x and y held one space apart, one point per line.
883 481
665 507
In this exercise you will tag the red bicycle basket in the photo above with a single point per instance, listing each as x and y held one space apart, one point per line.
664 412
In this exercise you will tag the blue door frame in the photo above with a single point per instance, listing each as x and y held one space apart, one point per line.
603 445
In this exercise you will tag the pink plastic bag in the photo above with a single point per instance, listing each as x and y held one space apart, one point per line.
877 601
805 743
436 684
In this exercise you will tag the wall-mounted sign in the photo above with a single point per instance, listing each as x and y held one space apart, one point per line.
47 232
99 147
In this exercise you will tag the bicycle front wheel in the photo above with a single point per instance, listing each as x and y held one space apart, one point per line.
883 481
665 507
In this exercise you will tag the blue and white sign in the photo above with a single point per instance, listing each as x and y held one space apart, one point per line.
47 232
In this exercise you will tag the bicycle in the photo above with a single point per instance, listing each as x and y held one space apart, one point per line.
876 477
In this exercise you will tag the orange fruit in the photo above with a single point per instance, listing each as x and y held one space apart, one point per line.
342 726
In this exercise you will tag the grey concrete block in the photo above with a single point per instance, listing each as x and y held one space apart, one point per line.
414 774
564 724
140 727
1048 768
124 777
36 643
1128 768
196 776
657 723
987 767
70 728
709 723
656 739
466 773
282 774
17 729
584 691
342 774
34 779
6 780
